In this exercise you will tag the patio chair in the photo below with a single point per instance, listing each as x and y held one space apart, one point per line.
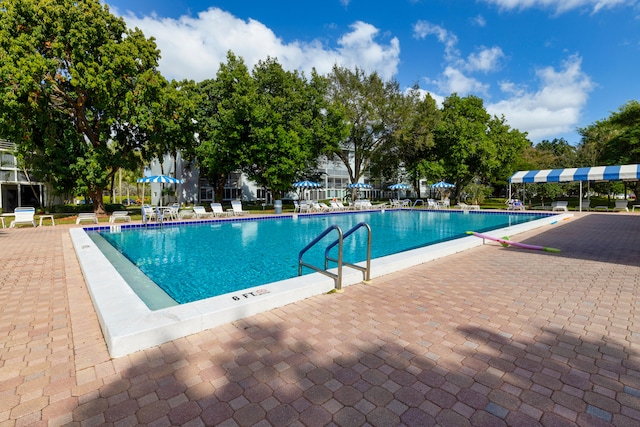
87 216
148 213
201 212
621 205
236 205
122 215
218 210
23 216
432 204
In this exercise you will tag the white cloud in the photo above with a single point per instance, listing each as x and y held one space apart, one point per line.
560 6
479 21
422 29
554 108
455 76
485 60
194 47
454 81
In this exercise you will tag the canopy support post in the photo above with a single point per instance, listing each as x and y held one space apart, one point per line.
580 201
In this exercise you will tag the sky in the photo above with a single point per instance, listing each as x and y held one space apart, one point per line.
548 66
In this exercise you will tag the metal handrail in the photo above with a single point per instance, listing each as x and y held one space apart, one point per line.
337 277
416 202
365 270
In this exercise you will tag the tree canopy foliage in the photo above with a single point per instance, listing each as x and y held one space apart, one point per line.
80 92
271 124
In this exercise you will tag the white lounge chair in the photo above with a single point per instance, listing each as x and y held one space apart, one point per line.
87 216
621 205
23 216
217 210
201 212
119 215
236 205
583 205
560 206
466 207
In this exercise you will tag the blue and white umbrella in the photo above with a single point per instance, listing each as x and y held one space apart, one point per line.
159 179
163 179
359 185
306 184
442 184
399 186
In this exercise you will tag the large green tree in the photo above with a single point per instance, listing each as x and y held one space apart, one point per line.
373 111
79 91
403 152
471 145
271 124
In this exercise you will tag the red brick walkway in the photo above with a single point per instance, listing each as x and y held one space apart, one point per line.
492 336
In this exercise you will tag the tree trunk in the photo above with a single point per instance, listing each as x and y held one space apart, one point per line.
98 204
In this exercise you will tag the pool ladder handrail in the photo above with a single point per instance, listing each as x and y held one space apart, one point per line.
337 277
416 202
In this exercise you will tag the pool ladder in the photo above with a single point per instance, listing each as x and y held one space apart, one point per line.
339 241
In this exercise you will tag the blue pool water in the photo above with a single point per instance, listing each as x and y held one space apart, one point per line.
214 258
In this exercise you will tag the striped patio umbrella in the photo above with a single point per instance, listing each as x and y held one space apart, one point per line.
441 186
399 186
163 179
306 184
159 179
359 185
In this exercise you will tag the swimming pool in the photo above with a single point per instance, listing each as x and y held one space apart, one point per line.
129 325
204 260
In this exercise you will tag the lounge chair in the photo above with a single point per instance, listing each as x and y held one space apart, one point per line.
296 206
515 205
217 210
432 204
87 216
621 205
236 205
466 207
559 205
201 212
23 216
321 207
122 215
583 205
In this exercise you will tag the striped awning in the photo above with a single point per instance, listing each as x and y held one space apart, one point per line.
596 173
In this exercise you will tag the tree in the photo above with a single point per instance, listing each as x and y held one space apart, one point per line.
373 113
288 126
79 90
224 118
463 147
272 124
406 149
614 140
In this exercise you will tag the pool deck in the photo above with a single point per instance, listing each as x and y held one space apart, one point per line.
487 337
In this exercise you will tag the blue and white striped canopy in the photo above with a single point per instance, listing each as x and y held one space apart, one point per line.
161 178
596 173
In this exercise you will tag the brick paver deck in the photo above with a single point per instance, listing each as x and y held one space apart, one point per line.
489 337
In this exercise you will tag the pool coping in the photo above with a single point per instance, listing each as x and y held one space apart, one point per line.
128 325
